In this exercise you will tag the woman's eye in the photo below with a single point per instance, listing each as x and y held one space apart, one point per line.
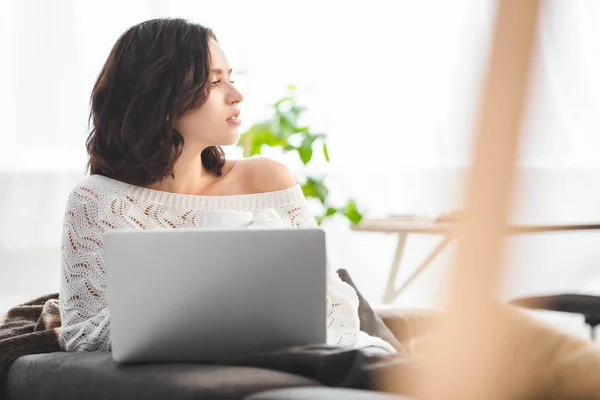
216 83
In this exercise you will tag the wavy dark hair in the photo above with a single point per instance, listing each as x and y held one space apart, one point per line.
156 72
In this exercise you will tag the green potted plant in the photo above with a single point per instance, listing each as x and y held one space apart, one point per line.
284 131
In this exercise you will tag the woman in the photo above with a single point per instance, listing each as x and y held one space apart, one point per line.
161 107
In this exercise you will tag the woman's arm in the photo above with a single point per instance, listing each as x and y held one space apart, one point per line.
84 312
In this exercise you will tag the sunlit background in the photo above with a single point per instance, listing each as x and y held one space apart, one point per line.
394 84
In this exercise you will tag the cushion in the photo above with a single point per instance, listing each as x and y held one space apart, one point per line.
97 376
322 394
407 324
370 322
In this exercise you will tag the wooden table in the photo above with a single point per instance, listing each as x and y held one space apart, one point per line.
403 227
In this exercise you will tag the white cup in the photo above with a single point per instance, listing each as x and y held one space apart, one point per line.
228 219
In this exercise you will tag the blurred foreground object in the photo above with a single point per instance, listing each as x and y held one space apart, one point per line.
469 356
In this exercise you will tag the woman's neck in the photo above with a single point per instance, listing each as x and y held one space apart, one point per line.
190 177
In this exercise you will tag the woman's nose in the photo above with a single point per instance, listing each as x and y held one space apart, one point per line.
236 96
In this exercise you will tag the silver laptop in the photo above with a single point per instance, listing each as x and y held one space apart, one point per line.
204 295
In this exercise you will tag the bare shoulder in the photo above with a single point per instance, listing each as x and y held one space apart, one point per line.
263 174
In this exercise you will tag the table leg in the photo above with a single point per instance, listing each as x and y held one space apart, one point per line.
391 294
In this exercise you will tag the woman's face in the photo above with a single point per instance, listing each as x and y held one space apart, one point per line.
216 122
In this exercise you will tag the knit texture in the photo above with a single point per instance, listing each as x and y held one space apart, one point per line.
99 204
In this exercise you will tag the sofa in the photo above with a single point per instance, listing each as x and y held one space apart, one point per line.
96 376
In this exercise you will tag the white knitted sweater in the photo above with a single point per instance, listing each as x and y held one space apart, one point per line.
99 204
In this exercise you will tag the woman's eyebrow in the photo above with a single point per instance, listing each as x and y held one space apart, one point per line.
220 71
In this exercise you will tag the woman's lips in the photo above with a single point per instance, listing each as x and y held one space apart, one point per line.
234 120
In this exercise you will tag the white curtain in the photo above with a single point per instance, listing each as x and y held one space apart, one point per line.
395 84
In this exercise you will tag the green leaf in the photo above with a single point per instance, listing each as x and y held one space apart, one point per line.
331 211
291 88
282 100
286 127
354 216
260 135
352 213
309 139
305 154
305 150
315 188
297 110
325 152
247 139
288 123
